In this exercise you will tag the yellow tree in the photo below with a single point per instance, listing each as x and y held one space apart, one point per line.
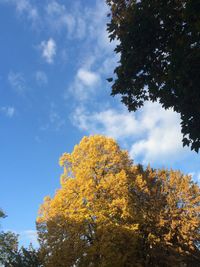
90 221
169 203
109 212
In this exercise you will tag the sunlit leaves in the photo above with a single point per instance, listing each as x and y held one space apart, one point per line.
110 212
91 213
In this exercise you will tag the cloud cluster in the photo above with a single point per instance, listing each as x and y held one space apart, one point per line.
154 132
88 78
96 58
84 85
48 50
110 122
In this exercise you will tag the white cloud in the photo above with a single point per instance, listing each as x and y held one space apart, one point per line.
8 111
154 132
163 135
41 78
48 50
109 122
88 78
161 142
84 84
17 81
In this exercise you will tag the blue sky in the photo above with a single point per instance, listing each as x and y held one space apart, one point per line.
55 58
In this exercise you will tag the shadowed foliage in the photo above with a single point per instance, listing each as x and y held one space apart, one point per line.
159 48
13 256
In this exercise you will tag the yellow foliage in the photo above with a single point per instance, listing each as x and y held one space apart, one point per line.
92 207
109 212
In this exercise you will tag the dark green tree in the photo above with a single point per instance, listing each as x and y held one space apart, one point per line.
13 256
159 48
2 214
8 248
27 257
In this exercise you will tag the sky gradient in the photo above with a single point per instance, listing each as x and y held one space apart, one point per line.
55 58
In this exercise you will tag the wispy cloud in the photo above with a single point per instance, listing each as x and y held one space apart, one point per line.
17 81
78 21
41 78
8 111
48 50
98 60
55 120
24 7
58 18
74 21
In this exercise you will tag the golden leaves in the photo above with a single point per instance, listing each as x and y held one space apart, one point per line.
109 212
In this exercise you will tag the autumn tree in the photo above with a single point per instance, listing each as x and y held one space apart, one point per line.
110 212
170 205
159 47
90 222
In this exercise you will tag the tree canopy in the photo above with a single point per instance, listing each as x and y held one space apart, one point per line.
2 214
13 256
110 212
159 48
8 248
